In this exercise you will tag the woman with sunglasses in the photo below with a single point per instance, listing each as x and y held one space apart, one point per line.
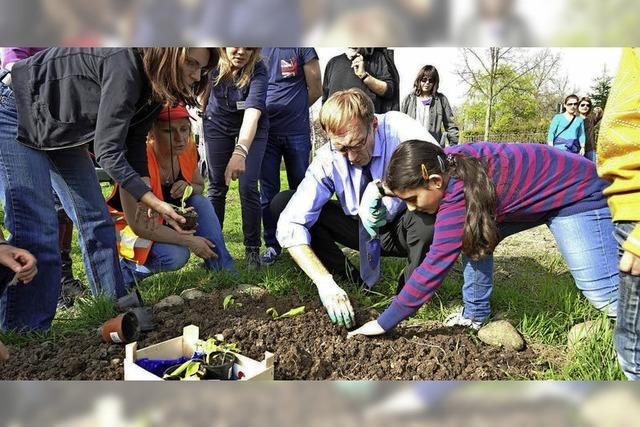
235 131
566 131
430 107
591 118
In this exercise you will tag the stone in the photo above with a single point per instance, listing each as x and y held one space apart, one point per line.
191 294
170 301
116 361
501 333
583 332
251 290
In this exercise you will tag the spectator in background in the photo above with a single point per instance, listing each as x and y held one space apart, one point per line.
591 117
368 69
430 107
294 85
15 264
566 131
235 131
619 162
70 287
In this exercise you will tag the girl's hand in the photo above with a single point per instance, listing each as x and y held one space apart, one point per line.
177 189
20 261
201 247
368 329
235 168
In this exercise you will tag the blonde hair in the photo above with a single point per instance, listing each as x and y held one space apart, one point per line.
344 106
162 67
226 68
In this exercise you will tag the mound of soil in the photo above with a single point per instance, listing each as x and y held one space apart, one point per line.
306 347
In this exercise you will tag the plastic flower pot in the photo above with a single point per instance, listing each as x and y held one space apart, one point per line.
121 329
190 215
219 366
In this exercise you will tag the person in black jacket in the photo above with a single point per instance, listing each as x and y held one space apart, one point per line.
369 69
430 107
58 102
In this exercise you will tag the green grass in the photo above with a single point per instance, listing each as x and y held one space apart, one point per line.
533 290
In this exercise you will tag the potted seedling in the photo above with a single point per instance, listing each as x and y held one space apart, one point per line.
212 361
189 214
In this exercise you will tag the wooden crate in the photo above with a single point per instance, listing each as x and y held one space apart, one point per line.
184 346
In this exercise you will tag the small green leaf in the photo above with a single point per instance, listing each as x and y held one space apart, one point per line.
293 312
192 369
187 193
228 300
272 311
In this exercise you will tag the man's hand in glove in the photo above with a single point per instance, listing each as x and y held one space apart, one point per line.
372 212
335 301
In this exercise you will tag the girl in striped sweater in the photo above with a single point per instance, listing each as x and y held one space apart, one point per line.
475 188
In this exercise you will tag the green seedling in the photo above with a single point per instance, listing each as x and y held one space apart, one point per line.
185 196
230 300
291 313
187 370
212 346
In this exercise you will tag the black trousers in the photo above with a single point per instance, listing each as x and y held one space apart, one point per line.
409 235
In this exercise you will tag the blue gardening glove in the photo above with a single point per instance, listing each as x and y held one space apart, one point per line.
372 212
336 301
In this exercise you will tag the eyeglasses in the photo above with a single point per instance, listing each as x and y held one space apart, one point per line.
193 65
571 104
585 105
426 80
344 149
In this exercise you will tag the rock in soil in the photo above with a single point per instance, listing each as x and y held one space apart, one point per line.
170 301
251 290
584 332
502 334
306 347
192 293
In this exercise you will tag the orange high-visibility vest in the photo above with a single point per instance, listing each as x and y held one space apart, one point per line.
130 246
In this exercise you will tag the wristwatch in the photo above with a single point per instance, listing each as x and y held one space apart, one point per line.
364 77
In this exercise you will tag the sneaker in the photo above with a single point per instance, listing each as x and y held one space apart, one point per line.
269 256
457 319
252 258
70 290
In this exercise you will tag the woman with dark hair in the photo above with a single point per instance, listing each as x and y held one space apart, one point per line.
473 188
566 131
235 130
59 100
430 107
591 117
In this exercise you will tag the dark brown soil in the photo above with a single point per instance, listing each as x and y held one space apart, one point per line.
307 347
190 216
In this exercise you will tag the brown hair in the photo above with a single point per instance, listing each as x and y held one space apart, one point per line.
586 99
344 106
162 67
430 72
405 172
570 97
226 69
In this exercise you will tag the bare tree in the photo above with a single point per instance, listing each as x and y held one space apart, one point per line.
483 70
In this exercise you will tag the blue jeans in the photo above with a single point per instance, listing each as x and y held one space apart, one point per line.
169 257
219 148
627 333
295 149
587 245
26 176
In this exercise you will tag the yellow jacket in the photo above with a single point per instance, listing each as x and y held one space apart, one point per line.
619 146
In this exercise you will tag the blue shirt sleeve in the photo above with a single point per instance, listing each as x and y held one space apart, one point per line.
257 96
552 129
307 54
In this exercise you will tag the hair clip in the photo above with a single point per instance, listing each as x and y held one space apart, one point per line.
451 160
425 172
441 163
